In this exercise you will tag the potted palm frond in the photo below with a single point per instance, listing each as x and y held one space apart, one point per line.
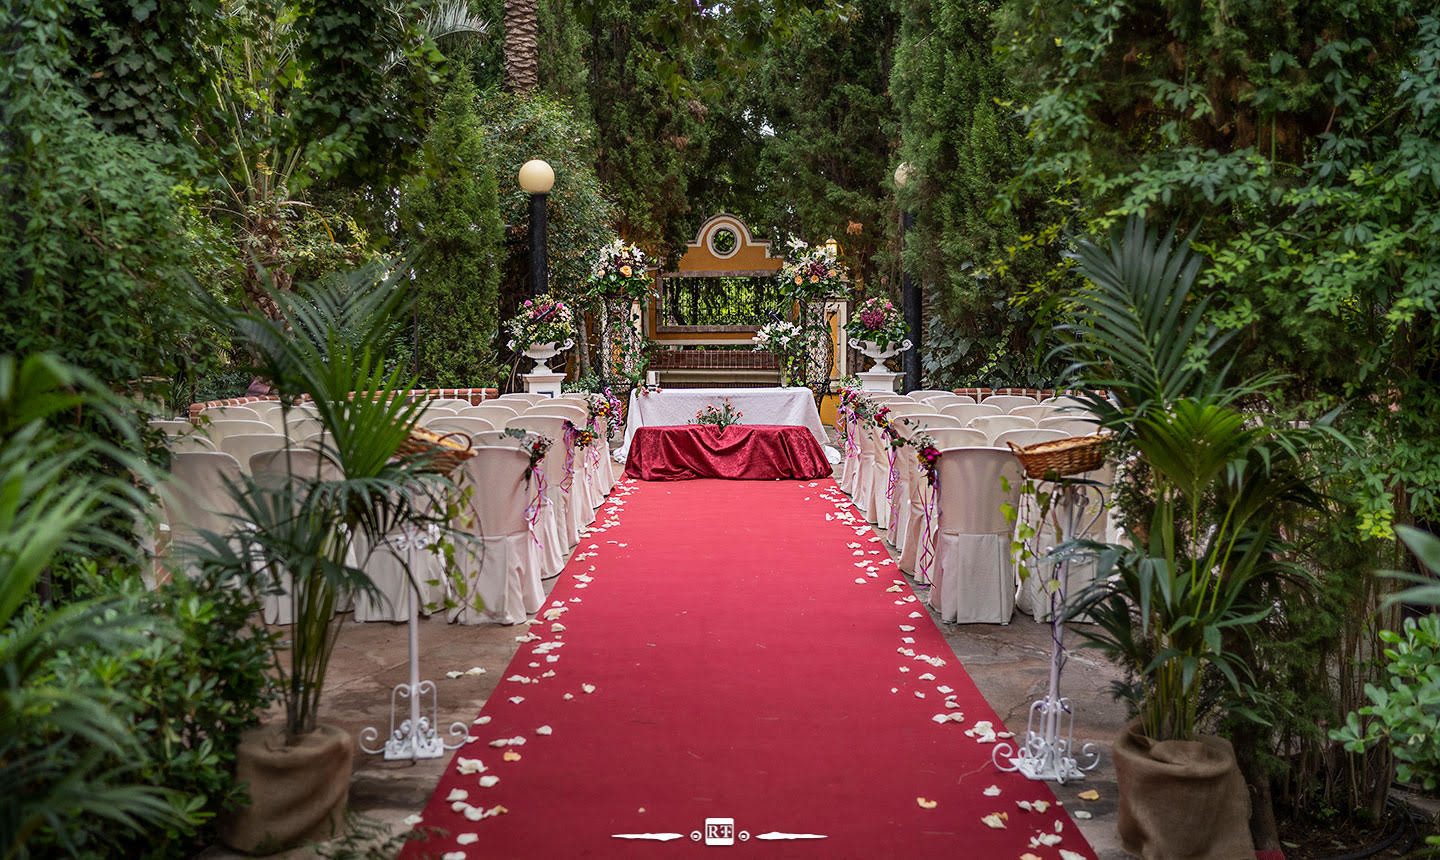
308 531
1206 484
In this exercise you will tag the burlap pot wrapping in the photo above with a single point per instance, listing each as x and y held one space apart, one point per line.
297 793
1181 800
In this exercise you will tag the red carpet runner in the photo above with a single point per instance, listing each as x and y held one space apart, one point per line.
734 650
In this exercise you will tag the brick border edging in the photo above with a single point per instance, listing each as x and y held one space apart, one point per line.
474 395
1037 393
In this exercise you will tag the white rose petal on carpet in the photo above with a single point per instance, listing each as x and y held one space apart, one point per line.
588 688
992 791
467 838
544 730
995 820
489 781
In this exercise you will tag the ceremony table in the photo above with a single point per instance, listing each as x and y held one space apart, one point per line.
763 406
757 452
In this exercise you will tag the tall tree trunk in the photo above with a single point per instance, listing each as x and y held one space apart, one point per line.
522 55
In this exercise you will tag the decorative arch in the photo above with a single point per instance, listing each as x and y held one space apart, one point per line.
706 256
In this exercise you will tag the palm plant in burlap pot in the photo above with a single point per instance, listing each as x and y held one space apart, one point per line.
304 533
1205 484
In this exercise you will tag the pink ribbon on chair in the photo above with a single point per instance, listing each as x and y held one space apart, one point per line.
537 504
927 553
890 487
569 458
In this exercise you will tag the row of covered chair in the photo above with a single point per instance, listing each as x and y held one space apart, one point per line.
954 535
520 526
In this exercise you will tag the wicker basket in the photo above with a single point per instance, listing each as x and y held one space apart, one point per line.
1062 457
450 449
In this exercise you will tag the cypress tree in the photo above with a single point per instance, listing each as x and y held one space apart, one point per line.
451 217
964 144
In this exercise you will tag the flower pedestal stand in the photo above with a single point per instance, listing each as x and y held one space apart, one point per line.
543 380
878 378
413 737
1049 749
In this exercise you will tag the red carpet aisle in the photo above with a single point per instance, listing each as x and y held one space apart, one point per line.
736 650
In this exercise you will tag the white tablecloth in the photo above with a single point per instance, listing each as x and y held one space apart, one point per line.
672 406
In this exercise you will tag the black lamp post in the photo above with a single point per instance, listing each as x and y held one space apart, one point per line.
537 178
909 293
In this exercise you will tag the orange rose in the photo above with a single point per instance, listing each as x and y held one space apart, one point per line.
799 280
625 270
814 279
831 273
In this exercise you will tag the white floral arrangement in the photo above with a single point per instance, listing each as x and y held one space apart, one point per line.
540 320
621 270
813 273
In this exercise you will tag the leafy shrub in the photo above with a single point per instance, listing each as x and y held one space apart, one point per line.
1408 711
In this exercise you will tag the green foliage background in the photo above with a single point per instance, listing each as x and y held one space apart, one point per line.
452 220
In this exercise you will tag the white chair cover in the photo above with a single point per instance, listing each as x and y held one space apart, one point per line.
217 430
231 413
993 425
1071 426
974 578
940 401
570 508
468 426
502 564
517 397
967 412
1035 413
1027 436
243 446
586 463
186 442
927 393
1008 402
454 404
172 426
937 421
495 413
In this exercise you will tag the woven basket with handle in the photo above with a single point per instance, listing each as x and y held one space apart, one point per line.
1071 456
450 449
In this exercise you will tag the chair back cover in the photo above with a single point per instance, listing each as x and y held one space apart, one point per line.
1075 426
468 426
957 437
218 430
973 489
495 413
517 397
198 497
1035 413
968 411
172 426
1010 401
1026 436
927 393
187 442
242 446
940 401
230 413
578 415
494 439
994 425
502 491
935 422
554 428
452 403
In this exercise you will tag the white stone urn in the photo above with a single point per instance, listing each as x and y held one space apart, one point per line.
543 352
873 352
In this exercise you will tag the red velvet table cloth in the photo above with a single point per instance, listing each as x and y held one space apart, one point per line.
745 451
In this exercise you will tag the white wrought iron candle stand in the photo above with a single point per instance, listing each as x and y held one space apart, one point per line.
414 737
1048 751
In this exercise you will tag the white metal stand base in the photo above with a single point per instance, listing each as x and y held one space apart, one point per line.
414 737
1048 751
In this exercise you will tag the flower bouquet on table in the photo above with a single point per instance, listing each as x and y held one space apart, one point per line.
621 270
880 322
721 416
813 273
541 321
